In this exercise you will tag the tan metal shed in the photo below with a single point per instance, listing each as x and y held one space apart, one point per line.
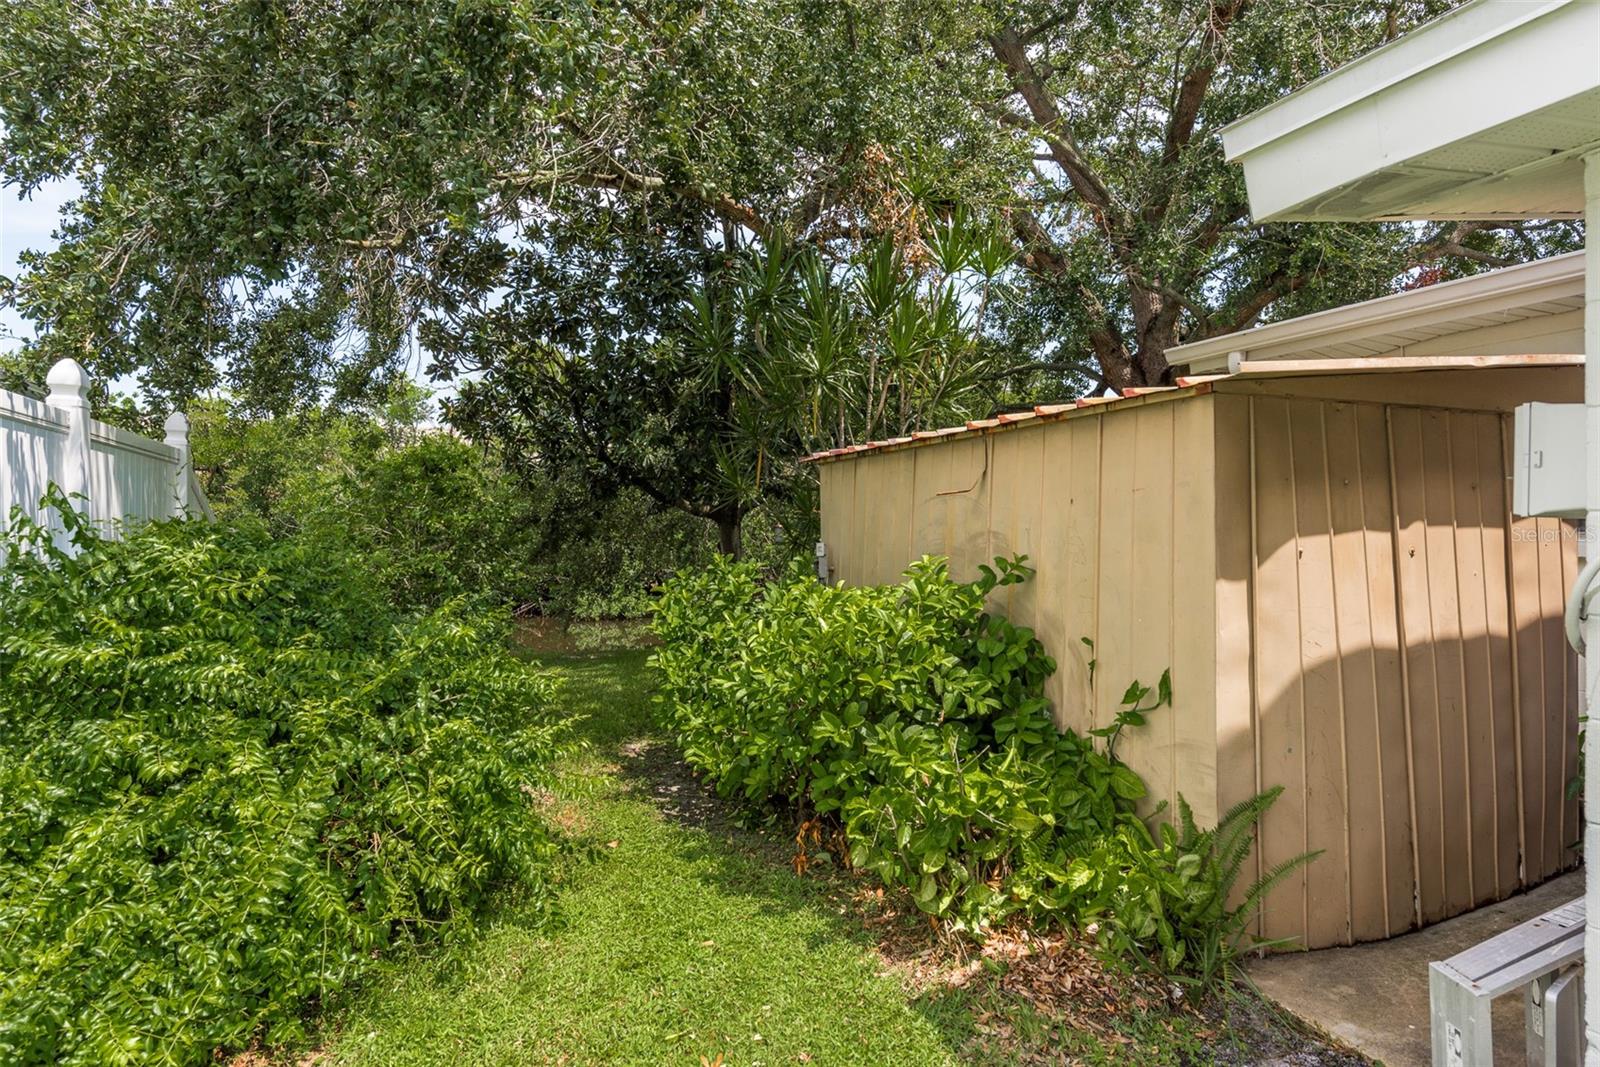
1320 547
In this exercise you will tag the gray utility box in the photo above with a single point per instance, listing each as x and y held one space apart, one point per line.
1547 471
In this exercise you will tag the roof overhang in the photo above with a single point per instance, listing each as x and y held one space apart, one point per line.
1403 324
1484 113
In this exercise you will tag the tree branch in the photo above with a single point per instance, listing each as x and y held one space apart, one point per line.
1196 81
625 473
1274 287
612 173
1172 295
1448 243
1070 14
1053 367
1040 253
1012 51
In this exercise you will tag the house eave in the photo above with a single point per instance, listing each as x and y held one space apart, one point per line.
1483 113
1522 291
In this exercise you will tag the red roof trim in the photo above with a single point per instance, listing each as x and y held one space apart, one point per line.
1040 413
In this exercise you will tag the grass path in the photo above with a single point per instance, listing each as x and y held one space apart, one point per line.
676 937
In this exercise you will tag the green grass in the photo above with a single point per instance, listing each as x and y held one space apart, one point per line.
676 936
670 941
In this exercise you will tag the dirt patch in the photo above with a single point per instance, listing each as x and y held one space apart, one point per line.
1041 993
541 635
1264 1035
567 817
258 1058
653 767
1063 979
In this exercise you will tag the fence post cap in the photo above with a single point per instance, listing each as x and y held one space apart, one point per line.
67 381
177 426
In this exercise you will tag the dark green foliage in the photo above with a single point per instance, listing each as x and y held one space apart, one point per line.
917 721
437 517
273 193
704 401
231 776
603 558
298 196
432 516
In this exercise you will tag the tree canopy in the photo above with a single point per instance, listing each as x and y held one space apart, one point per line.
1136 228
655 238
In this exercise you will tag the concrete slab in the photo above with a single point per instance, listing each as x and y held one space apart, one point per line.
1375 997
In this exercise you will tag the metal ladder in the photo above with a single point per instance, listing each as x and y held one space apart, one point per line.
1543 957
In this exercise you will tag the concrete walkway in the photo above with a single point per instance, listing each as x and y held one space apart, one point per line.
1375 997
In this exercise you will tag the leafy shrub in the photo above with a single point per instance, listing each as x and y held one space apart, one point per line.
917 721
231 776
439 517
603 558
909 713
432 515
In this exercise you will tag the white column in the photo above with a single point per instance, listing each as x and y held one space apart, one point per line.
177 426
69 393
1591 628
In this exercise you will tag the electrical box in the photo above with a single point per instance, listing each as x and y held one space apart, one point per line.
1547 469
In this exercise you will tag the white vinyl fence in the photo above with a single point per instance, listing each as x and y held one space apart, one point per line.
120 476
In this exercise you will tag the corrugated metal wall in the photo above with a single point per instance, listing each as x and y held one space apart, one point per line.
1115 512
1408 681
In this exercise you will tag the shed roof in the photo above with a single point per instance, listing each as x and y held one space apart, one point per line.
1197 385
1041 413
1372 337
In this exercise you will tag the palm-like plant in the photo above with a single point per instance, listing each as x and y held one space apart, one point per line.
801 352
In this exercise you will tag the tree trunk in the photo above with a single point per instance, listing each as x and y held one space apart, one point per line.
729 523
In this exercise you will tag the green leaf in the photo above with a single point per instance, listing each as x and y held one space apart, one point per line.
1126 784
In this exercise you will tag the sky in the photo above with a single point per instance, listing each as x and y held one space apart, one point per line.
24 224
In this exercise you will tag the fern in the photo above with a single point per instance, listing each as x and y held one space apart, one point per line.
1165 895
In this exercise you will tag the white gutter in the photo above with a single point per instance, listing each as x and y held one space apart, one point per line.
1303 368
1591 627
1438 88
1524 285
1440 39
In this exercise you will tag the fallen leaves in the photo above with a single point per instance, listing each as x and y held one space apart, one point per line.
1065 983
808 839
1063 976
